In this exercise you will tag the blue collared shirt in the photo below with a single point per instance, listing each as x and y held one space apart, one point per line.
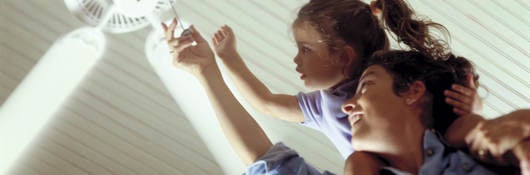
438 160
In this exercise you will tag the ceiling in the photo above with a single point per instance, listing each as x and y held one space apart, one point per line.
122 120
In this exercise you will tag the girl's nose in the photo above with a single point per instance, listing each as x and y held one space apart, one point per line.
296 60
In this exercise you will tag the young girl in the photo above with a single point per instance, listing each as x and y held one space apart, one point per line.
334 38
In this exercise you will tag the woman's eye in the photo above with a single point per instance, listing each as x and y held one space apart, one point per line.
362 88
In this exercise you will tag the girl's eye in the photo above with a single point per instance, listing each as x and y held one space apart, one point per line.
305 49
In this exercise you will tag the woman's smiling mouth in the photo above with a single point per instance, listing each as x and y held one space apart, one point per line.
354 118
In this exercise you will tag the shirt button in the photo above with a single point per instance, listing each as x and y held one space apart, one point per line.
466 167
430 152
433 130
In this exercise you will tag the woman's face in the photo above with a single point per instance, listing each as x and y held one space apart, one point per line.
375 112
318 68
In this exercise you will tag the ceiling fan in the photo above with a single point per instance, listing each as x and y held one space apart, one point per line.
58 72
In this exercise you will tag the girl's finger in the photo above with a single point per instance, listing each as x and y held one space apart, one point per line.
475 147
471 81
458 104
228 30
222 35
522 153
481 150
214 41
460 112
462 89
217 37
458 96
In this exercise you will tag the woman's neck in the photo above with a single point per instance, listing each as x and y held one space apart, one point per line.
407 152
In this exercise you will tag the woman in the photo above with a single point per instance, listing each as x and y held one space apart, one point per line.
399 114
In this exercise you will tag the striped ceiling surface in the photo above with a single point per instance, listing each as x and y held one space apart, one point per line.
122 120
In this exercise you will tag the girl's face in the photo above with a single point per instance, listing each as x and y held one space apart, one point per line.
376 113
318 68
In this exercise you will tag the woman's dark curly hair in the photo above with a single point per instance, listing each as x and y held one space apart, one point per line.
405 67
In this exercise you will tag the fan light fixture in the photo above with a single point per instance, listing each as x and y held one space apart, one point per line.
190 96
58 72
64 65
44 89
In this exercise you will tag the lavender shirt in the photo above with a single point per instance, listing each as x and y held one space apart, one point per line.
322 111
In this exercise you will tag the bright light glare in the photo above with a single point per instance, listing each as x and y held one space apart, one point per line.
44 89
136 8
192 99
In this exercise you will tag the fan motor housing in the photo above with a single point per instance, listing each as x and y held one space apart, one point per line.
130 15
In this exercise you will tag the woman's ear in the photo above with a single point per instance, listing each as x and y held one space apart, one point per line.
415 93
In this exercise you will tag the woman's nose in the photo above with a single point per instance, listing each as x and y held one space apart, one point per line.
348 107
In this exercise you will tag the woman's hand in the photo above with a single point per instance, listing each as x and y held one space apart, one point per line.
224 42
464 99
191 57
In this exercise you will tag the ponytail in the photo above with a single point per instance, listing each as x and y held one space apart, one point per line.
398 18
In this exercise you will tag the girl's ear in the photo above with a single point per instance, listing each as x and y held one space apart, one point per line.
415 93
349 60
349 56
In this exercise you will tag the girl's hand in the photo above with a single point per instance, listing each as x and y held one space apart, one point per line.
362 163
494 138
464 99
522 153
224 42
186 55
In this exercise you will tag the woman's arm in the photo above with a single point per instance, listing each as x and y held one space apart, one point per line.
282 106
244 134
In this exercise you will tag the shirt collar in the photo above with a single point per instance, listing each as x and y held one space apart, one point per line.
345 89
433 150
